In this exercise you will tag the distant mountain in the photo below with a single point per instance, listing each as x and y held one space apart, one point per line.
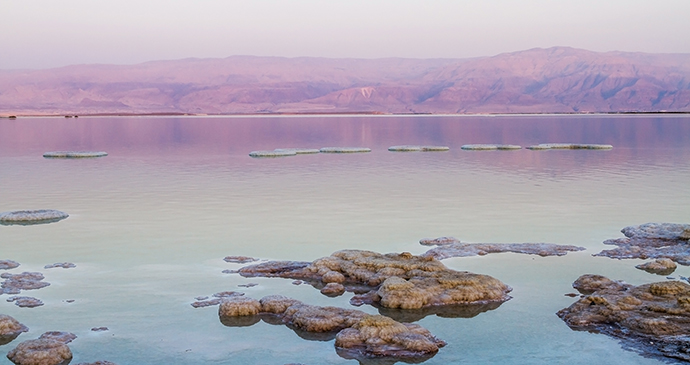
558 79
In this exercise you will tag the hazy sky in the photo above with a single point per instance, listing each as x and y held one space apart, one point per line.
50 33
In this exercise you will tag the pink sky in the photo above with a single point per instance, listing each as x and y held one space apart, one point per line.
46 33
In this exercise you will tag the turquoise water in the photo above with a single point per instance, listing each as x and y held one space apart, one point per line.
150 224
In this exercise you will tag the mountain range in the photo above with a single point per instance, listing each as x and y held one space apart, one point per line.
552 80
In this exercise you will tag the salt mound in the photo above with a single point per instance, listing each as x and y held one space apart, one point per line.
344 149
651 241
410 148
10 328
569 146
75 154
659 267
488 147
40 352
28 217
654 318
276 153
8 264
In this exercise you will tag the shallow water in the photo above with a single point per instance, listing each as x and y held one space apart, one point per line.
150 224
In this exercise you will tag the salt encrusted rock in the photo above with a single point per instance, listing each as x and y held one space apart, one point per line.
333 289
25 302
239 259
75 154
589 283
359 333
380 336
490 147
651 241
101 362
100 329
299 151
8 264
344 149
10 328
654 318
440 241
410 148
206 303
60 336
15 283
239 306
29 217
247 285
275 153
218 298
569 146
393 280
40 352
64 265
473 249
659 266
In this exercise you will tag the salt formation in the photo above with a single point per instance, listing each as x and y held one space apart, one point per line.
409 148
392 280
50 349
25 302
652 241
569 146
451 247
75 154
29 217
490 147
344 149
299 151
10 328
357 333
239 259
64 265
274 153
15 283
654 318
8 264
659 267
97 363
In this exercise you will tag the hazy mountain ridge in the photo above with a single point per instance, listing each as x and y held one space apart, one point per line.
558 79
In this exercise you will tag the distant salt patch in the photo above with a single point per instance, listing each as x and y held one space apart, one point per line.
413 148
28 217
75 154
275 153
299 151
8 264
344 150
490 147
569 146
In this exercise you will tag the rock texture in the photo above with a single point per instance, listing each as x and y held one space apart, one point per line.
558 79
357 334
652 241
653 318
392 280
451 247
29 217
10 328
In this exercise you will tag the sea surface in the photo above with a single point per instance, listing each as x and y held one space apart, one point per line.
150 224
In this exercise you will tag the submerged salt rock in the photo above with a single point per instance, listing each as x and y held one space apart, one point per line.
239 259
25 302
75 154
60 336
272 153
344 149
10 328
651 241
40 352
8 264
413 148
589 283
569 146
64 265
239 306
654 318
440 241
427 281
451 249
489 147
659 266
15 283
29 217
380 336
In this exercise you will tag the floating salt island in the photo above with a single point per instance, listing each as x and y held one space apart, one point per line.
299 151
569 146
652 241
358 335
274 153
452 247
75 154
344 150
490 147
412 148
653 318
29 217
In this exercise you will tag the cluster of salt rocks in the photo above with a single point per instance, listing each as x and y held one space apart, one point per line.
15 283
357 334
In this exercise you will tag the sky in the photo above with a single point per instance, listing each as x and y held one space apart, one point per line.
38 34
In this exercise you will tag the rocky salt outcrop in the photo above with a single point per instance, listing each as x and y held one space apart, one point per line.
10 329
451 247
30 217
357 334
652 318
659 267
50 349
8 264
75 154
344 150
390 280
414 148
15 283
25 302
64 265
652 241
239 259
490 147
569 146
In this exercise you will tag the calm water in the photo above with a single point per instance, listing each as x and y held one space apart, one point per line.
150 224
